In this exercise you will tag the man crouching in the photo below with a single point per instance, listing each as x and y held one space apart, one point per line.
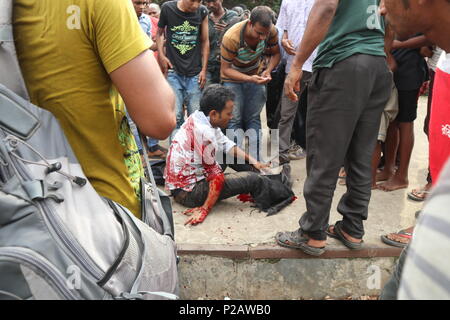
193 175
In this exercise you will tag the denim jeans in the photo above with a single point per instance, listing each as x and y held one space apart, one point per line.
187 90
249 102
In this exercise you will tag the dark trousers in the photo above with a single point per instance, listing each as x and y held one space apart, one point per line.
288 115
274 94
235 184
299 129
345 103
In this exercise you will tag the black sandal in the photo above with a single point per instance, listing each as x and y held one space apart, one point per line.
339 235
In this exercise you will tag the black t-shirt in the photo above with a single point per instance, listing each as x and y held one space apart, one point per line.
183 29
412 69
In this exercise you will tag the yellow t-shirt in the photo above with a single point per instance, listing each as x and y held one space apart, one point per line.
67 49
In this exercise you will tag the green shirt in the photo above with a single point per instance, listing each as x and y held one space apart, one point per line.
357 28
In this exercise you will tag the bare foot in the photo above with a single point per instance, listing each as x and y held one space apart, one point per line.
394 183
346 235
315 243
384 175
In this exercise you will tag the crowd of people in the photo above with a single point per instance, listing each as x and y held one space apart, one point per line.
340 81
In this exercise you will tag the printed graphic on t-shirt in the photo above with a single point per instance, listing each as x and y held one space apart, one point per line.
130 150
184 37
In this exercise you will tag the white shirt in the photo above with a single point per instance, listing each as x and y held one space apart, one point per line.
192 154
293 18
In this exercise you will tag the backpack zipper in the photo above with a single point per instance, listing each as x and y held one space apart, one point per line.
29 257
77 253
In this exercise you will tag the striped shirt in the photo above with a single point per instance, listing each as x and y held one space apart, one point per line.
242 57
426 274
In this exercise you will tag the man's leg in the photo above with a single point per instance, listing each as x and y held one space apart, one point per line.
354 203
255 96
193 94
337 99
287 116
390 154
177 86
274 93
299 129
407 115
235 184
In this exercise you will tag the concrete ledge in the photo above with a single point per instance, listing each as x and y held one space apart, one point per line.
204 276
277 252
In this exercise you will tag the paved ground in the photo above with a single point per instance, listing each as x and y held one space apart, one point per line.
235 223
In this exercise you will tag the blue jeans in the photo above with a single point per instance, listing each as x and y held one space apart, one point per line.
248 104
187 90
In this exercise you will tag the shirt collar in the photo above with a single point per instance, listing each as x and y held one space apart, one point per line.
202 118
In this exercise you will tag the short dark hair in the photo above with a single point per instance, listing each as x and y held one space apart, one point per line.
215 97
262 15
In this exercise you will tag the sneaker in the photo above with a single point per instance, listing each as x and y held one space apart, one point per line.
294 147
298 154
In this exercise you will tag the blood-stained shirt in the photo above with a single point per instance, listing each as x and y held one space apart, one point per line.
192 154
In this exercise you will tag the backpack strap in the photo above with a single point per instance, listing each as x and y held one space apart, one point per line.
11 76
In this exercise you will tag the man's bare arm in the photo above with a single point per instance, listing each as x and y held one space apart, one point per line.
413 43
149 99
273 63
205 51
239 153
287 44
388 42
198 215
231 73
163 61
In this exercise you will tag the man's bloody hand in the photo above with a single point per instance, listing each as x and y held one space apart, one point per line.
197 215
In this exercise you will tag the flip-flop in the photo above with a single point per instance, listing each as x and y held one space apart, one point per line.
401 233
418 195
340 236
296 240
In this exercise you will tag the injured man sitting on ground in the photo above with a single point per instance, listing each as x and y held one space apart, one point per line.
195 178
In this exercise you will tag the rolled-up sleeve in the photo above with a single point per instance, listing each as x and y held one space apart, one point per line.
224 144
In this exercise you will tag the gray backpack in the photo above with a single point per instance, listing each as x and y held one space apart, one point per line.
58 238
